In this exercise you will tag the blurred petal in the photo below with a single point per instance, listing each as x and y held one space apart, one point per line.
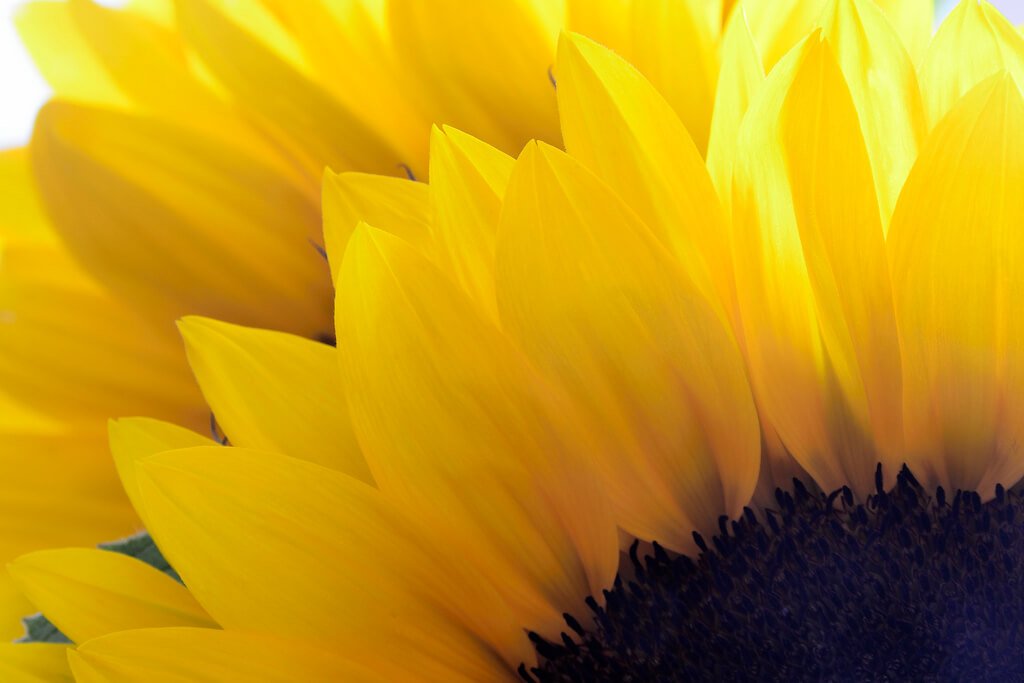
274 391
256 534
883 84
467 182
214 230
22 217
397 205
88 593
439 398
958 270
976 29
599 303
812 274
173 655
34 663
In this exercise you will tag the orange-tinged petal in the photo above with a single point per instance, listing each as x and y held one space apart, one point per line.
812 274
958 269
675 45
284 547
274 391
22 216
439 397
214 230
453 64
741 75
88 593
974 42
883 84
467 181
601 305
135 438
620 127
34 663
174 655
397 205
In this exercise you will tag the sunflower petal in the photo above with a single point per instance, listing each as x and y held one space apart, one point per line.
88 593
440 397
34 663
397 205
812 274
467 182
621 128
214 230
135 438
274 391
254 534
974 28
883 84
914 21
172 655
958 269
598 302
778 25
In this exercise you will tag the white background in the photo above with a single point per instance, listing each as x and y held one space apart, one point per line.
22 91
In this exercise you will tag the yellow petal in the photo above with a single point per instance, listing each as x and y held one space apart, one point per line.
34 663
73 350
675 45
64 56
778 25
301 114
812 274
599 303
439 397
453 63
883 84
88 593
135 438
957 267
740 77
617 124
914 20
22 217
214 231
173 655
974 42
280 546
467 181
606 21
274 391
397 205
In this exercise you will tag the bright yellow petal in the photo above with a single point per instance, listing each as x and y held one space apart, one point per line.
88 593
63 55
467 181
778 25
22 217
73 350
284 547
958 270
174 655
397 205
974 42
617 124
301 114
914 20
274 391
439 397
741 75
453 65
883 84
675 45
214 231
606 21
135 438
812 274
34 663
600 304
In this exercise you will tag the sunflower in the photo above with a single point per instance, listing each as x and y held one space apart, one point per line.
178 171
536 351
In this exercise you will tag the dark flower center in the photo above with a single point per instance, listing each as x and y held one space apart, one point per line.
905 587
